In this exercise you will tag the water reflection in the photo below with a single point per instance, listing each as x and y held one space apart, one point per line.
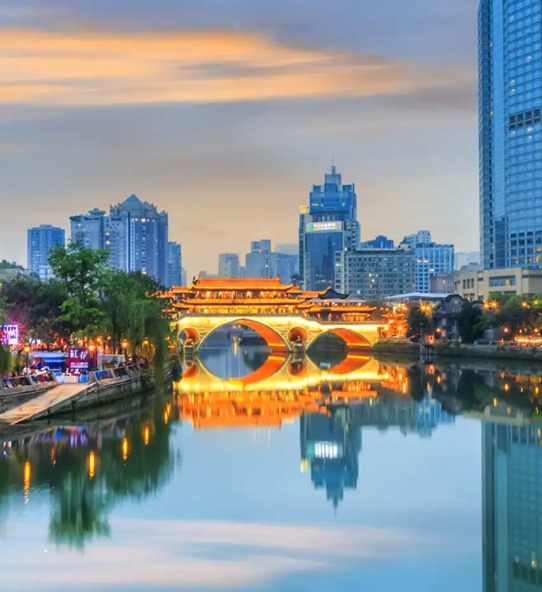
88 467
346 415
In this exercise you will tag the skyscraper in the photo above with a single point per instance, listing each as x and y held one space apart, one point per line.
174 264
135 234
510 114
41 241
228 265
330 226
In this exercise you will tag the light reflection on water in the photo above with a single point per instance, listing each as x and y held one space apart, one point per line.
269 472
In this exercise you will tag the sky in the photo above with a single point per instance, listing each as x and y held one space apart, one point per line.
224 113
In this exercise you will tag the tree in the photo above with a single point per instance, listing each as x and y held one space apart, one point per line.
80 272
471 322
133 311
418 322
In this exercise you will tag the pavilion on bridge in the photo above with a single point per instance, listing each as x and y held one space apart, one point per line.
263 296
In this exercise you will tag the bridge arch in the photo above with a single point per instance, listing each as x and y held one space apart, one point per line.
189 335
352 339
273 339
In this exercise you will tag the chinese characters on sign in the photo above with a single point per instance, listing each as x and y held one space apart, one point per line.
78 360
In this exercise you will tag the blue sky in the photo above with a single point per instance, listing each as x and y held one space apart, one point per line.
225 113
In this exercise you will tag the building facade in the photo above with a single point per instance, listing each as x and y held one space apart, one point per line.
375 274
510 129
480 285
41 240
261 262
174 265
228 265
135 234
329 226
380 242
88 229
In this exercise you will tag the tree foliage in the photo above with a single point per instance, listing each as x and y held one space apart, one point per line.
418 322
81 272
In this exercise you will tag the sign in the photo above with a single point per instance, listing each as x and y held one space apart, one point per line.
79 359
335 226
9 334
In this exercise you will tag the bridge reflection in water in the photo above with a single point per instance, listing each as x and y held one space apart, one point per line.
333 404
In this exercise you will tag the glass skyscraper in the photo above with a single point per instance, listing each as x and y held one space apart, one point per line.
41 241
330 226
510 103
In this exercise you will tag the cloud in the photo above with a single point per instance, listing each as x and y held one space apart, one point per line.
210 554
107 68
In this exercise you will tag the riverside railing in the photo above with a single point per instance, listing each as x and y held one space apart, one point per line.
28 380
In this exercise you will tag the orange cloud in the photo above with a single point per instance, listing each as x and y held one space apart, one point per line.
65 69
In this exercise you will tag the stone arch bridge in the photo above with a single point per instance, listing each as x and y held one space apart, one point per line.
281 332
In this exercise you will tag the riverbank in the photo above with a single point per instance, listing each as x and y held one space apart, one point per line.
404 347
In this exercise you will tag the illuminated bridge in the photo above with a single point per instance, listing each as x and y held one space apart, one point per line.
286 317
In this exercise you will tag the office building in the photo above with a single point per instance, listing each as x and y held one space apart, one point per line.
375 274
261 262
287 267
228 265
135 234
174 265
481 285
431 258
510 130
380 242
329 226
41 240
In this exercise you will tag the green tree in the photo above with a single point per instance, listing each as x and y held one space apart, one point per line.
418 322
80 272
471 322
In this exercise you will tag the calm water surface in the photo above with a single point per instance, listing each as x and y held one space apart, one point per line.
262 473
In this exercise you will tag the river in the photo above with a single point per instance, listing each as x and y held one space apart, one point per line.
265 473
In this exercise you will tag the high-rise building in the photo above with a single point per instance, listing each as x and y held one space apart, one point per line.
329 226
41 241
147 236
228 265
510 129
463 259
135 234
88 229
287 267
375 274
174 265
261 262
431 258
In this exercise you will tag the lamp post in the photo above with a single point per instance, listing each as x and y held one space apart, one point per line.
26 350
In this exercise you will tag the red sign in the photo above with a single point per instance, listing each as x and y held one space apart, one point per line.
79 359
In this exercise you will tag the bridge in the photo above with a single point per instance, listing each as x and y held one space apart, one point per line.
287 318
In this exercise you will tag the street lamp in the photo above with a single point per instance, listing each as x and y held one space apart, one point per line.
26 350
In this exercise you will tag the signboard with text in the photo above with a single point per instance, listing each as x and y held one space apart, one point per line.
331 226
79 359
9 334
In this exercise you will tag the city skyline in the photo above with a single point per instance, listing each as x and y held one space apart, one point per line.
356 90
